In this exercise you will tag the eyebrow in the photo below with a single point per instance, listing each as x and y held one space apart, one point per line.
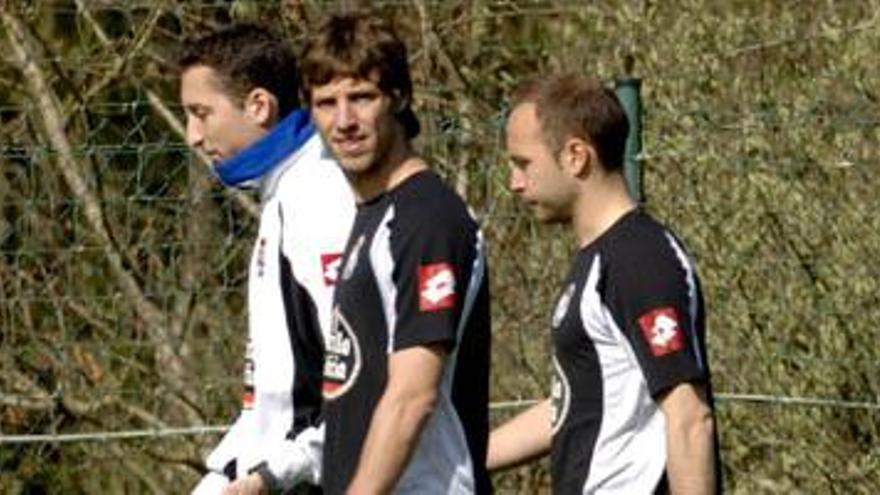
191 107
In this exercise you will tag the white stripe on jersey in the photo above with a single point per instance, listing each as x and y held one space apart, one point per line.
692 295
382 263
632 431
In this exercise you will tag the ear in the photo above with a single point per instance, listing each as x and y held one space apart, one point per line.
399 101
577 157
261 107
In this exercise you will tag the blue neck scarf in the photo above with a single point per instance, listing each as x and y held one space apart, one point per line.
252 163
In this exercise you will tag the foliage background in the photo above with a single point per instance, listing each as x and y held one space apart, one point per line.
122 262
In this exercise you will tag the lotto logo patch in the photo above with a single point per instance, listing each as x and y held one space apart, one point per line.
662 331
330 265
247 399
436 287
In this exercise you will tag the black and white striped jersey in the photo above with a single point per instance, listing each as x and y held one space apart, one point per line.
627 326
414 273
307 209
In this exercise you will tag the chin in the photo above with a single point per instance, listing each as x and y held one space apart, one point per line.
548 217
357 165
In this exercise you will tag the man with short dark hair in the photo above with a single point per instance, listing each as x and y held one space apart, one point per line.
407 365
239 90
631 405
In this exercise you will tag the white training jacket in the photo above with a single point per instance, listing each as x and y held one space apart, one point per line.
307 209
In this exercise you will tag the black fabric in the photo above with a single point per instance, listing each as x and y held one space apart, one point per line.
273 485
229 469
430 241
470 395
307 347
630 307
579 393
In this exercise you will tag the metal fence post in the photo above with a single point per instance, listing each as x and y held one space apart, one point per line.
628 90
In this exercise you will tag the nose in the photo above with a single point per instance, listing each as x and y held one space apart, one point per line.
517 182
194 135
346 119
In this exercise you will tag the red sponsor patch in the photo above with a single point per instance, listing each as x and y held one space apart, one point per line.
436 287
247 399
330 265
662 330
330 387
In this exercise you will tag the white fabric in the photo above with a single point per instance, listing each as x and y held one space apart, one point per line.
211 484
307 211
632 428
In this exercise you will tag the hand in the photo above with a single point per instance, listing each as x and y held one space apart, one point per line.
251 484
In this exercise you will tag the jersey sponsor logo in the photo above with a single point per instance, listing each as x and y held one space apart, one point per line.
247 398
352 260
342 360
436 287
662 330
330 264
562 305
560 397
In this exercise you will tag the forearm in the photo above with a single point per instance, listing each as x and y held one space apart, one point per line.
523 438
690 444
393 435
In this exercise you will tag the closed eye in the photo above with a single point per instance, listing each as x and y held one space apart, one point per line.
197 111
519 162
324 103
363 96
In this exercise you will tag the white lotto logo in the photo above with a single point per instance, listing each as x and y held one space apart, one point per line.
331 271
439 286
664 331
436 287
330 265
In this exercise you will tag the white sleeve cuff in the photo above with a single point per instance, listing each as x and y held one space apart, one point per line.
298 461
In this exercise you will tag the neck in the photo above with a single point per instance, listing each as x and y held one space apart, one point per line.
399 164
599 208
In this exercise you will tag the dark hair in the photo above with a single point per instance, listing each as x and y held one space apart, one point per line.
245 57
358 45
569 105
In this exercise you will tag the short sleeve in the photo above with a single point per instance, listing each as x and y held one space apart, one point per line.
433 261
654 296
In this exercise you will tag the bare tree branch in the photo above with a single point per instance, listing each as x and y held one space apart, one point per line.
120 63
457 82
156 102
47 103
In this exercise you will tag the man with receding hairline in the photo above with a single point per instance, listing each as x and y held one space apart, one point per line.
631 404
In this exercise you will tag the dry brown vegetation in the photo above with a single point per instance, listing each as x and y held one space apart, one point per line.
122 263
